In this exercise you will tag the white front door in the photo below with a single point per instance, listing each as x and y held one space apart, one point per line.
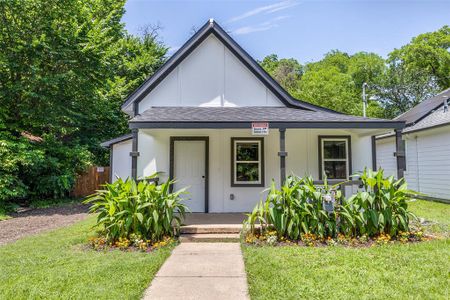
189 171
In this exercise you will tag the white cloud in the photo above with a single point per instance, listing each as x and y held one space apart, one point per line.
260 27
267 9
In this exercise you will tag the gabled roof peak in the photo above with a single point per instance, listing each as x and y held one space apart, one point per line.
212 27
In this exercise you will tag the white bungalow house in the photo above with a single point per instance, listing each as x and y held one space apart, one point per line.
215 121
427 147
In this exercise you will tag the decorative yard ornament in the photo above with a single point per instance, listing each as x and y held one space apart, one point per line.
329 201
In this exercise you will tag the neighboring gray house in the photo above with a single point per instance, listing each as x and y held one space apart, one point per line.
212 118
427 147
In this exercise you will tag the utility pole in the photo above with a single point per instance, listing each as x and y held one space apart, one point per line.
364 98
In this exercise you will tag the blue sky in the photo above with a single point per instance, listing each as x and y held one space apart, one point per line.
305 30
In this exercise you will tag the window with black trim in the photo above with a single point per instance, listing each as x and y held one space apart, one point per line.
247 161
334 157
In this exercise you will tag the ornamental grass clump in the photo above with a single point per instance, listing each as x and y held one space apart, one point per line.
381 208
127 209
295 209
302 211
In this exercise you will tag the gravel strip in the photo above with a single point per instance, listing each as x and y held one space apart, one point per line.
40 220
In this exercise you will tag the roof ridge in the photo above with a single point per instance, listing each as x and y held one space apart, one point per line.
212 27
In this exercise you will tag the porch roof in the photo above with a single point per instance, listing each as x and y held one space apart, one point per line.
242 117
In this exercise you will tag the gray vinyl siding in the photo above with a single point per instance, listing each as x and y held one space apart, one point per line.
428 160
385 156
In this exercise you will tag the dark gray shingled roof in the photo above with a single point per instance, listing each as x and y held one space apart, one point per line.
160 115
116 140
422 109
437 118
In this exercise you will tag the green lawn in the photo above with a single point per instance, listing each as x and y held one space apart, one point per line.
55 266
434 212
410 271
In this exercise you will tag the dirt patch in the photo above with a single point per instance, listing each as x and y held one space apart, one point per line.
39 220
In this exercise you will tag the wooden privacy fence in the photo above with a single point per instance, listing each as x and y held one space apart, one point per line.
87 183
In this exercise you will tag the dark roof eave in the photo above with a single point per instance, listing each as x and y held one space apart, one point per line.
116 140
273 124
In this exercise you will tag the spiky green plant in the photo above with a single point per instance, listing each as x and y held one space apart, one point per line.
380 208
294 209
145 208
297 208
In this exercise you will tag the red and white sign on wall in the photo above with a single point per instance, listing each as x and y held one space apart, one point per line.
260 128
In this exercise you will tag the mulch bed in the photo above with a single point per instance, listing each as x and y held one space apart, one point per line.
39 220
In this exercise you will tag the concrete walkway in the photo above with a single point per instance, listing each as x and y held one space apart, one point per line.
201 271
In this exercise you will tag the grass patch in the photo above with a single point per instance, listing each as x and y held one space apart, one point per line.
56 266
46 203
400 271
3 214
417 270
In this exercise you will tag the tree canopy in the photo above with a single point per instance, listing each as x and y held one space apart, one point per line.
406 77
65 68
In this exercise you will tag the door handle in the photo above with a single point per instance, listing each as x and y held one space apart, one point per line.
203 176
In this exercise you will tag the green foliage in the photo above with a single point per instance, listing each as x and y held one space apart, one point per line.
298 208
381 208
57 265
295 209
287 72
146 209
408 76
427 54
65 68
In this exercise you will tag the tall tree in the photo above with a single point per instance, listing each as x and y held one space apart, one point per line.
286 71
65 67
415 72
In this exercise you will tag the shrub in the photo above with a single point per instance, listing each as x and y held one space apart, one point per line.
297 209
145 209
380 209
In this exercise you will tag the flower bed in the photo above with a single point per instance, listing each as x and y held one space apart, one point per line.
136 216
303 213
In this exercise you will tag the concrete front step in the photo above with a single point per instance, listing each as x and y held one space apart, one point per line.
212 229
209 237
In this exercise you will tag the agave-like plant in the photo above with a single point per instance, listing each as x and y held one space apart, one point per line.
380 208
298 208
146 208
294 209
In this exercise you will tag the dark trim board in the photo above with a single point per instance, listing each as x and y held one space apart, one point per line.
374 152
263 170
349 143
173 139
231 125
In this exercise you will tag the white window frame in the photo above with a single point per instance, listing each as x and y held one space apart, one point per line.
347 155
235 162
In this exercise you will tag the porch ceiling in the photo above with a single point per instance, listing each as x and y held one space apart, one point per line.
242 117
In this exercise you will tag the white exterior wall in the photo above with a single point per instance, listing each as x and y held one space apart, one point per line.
301 145
121 160
385 156
210 76
428 161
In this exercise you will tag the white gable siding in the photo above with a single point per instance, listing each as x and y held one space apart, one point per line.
210 76
385 156
121 160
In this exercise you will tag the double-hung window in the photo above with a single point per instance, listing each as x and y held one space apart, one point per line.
247 161
334 157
